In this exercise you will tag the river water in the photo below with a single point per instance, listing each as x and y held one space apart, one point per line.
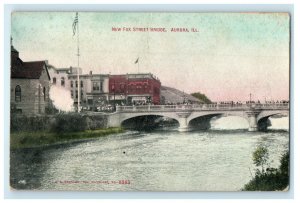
219 159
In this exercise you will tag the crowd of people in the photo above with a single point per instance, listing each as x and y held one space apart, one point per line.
110 107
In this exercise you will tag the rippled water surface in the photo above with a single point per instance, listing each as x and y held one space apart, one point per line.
213 160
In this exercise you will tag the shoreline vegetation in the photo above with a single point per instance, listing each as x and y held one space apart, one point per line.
35 139
63 128
267 178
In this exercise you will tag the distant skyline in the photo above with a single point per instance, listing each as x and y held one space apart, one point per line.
231 55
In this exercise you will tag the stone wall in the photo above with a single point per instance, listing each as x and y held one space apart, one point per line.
32 97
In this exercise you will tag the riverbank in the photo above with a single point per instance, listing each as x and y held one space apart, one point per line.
21 140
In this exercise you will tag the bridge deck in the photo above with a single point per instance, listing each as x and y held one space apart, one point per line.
204 107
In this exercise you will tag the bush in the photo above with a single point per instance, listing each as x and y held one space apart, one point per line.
96 122
28 123
271 179
69 123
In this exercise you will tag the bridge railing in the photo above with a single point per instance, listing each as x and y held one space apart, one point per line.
147 108
275 106
200 107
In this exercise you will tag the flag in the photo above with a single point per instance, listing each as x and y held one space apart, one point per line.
75 23
137 60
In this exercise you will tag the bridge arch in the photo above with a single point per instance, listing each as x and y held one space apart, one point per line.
202 120
263 121
145 120
196 115
128 116
267 114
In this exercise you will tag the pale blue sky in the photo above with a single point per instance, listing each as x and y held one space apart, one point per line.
232 55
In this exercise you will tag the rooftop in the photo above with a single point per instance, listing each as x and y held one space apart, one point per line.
26 70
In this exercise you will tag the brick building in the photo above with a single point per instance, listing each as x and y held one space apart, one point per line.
140 88
30 82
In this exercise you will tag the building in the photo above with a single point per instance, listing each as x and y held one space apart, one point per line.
93 90
140 88
93 87
60 76
97 91
30 82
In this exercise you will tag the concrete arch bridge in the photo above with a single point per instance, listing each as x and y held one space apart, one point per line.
189 115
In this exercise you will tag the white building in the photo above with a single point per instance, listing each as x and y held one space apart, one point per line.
60 76
94 91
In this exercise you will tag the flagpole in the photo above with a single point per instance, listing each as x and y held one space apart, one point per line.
78 83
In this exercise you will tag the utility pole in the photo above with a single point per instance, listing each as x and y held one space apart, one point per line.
76 29
79 95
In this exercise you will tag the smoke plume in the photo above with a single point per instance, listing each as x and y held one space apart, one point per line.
61 98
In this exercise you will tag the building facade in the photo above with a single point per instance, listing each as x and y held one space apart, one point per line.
99 91
60 76
131 89
30 83
93 90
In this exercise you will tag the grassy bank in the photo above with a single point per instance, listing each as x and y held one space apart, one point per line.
19 140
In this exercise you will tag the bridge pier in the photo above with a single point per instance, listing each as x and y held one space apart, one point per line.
252 119
183 124
183 127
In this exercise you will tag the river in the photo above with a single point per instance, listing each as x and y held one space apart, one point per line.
219 159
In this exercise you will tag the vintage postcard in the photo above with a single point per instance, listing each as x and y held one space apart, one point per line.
149 101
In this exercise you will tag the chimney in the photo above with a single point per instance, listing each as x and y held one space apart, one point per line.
71 69
91 72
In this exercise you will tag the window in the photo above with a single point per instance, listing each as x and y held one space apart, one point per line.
76 94
96 86
18 93
72 95
76 83
72 83
44 92
54 80
62 82
81 83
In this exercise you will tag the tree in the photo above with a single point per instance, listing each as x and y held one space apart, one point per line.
270 179
260 157
201 97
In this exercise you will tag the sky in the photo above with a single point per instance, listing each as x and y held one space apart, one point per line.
230 56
